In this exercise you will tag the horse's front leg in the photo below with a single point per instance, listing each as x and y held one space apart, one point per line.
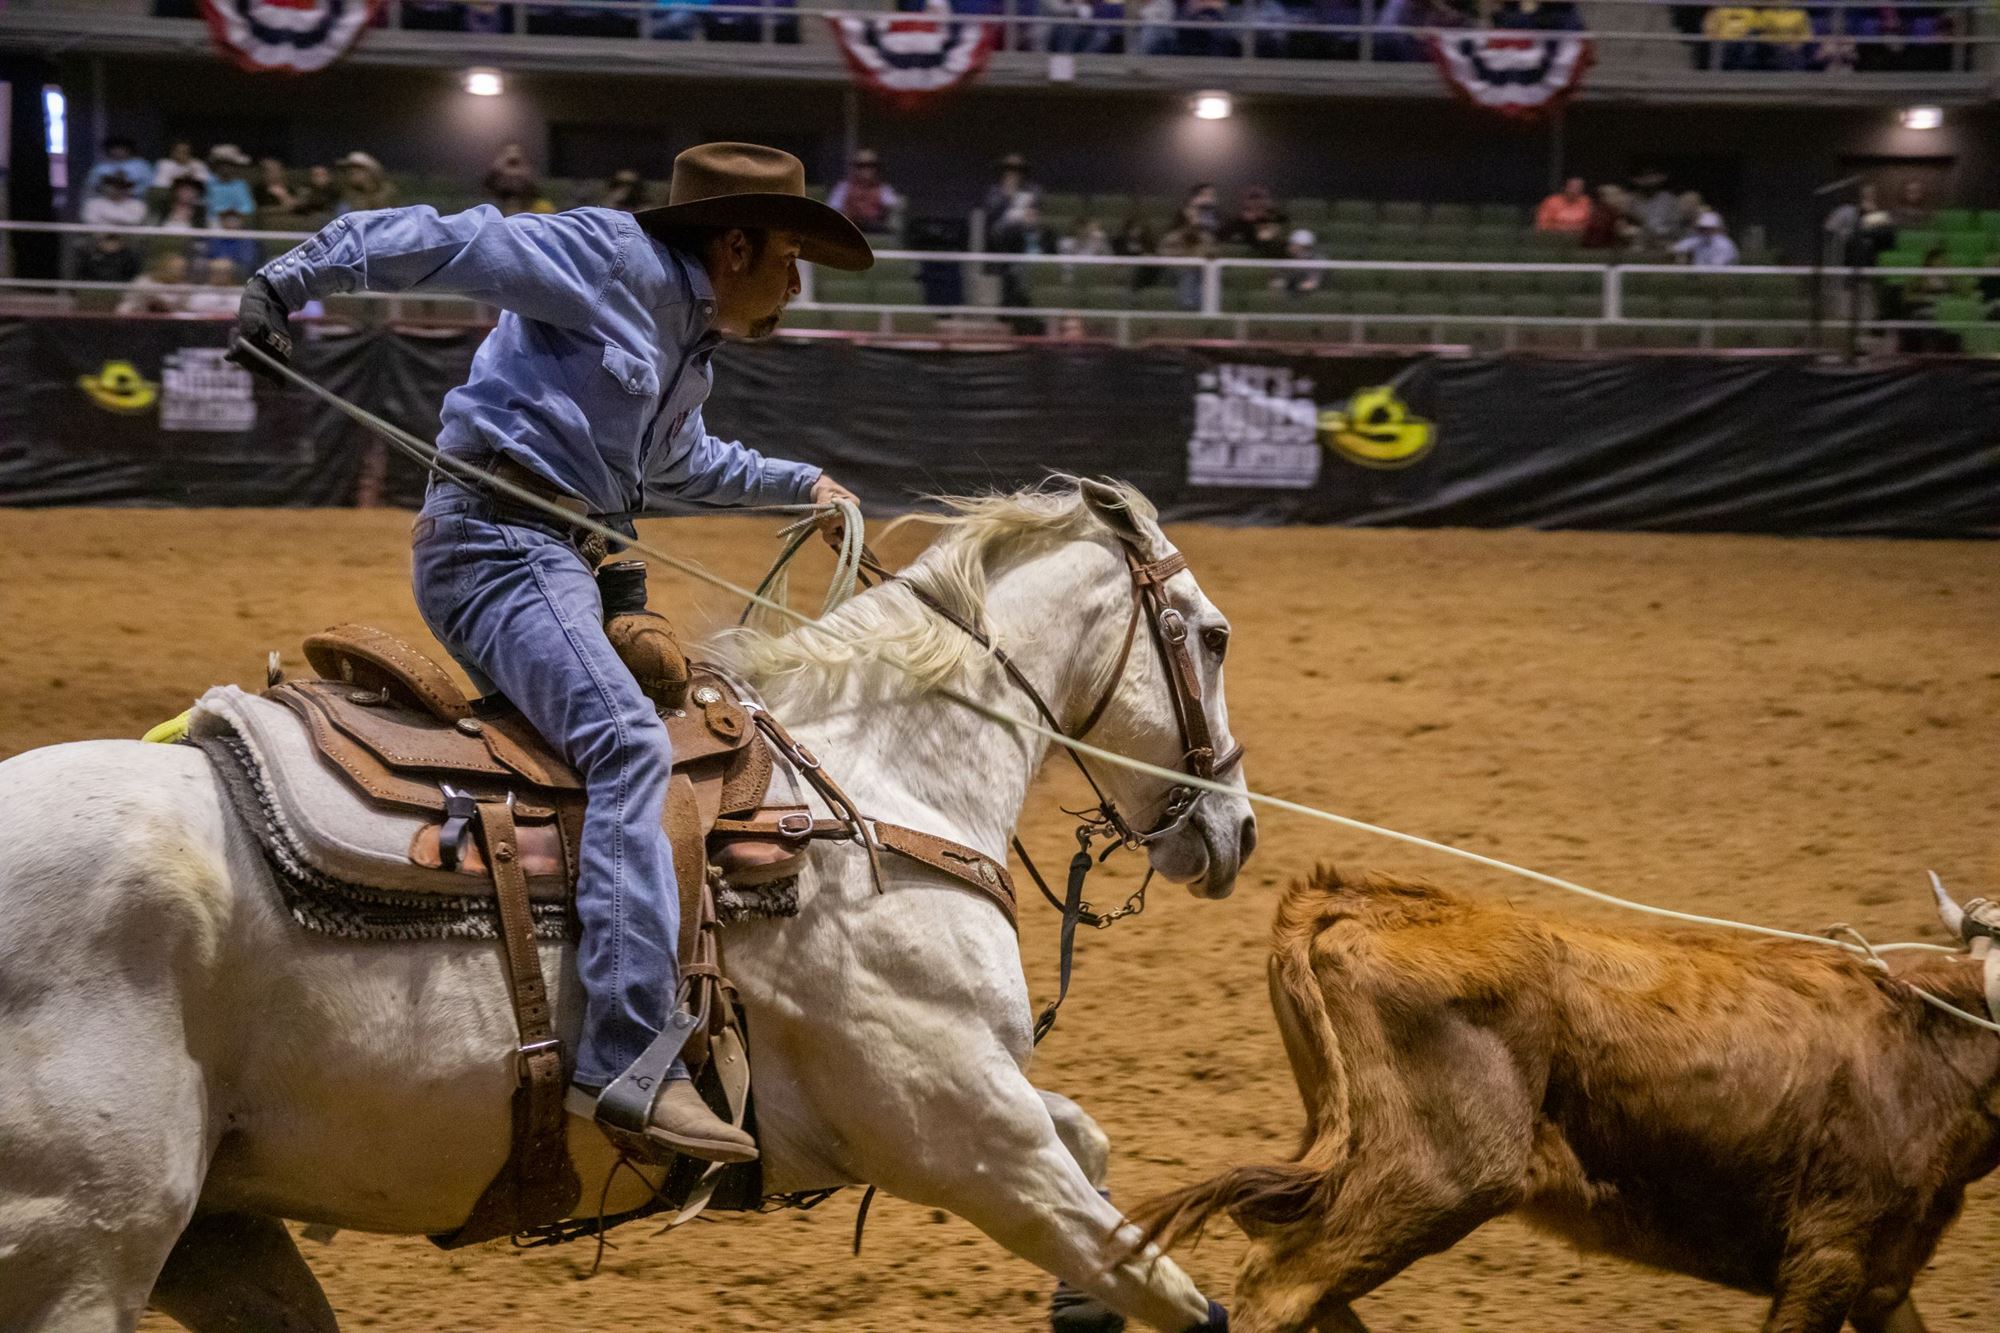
1070 1310
1000 1163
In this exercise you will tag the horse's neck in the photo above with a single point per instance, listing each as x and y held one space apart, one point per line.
920 757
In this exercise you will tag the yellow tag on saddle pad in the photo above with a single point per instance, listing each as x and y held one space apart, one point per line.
173 729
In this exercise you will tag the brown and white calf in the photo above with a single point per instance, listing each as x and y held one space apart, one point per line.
1774 1116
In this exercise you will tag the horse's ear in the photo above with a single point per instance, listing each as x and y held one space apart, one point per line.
1108 503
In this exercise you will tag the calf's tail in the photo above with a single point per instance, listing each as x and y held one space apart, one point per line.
1276 1194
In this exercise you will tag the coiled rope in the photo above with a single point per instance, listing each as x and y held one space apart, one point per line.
434 460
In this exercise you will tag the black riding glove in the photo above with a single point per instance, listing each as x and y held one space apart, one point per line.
263 321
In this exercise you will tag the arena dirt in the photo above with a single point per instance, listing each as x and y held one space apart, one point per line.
1789 731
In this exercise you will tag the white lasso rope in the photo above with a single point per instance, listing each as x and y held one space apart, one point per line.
431 457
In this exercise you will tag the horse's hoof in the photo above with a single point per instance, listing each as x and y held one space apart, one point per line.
1073 1311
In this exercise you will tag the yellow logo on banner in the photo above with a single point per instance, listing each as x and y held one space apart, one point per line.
119 387
1376 429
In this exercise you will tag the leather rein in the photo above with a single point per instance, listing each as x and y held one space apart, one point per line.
1168 630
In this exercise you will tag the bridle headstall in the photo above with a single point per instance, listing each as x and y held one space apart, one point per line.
1168 629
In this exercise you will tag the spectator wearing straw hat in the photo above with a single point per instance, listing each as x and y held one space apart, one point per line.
363 184
1709 246
869 202
228 191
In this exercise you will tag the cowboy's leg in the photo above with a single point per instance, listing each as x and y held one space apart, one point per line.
520 607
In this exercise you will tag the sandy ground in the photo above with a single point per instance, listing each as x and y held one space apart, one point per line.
1786 731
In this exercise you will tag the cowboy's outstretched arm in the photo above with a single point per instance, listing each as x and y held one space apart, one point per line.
709 470
548 267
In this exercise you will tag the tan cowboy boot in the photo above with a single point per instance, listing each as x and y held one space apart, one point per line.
682 1122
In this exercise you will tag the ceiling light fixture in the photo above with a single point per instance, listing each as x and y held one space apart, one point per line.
1922 117
484 82
1211 106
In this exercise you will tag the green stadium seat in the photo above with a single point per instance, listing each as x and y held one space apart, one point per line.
893 268
1373 301
1690 307
1401 212
896 291
1454 216
1311 212
840 288
1365 211
1919 241
1989 221
1501 215
1160 296
1980 340
1955 219
1534 305
1639 305
1579 306
1183 329
1485 305
1339 238
1062 205
1967 251
1955 310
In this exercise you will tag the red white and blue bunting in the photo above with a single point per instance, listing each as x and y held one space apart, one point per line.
911 60
1518 74
296 36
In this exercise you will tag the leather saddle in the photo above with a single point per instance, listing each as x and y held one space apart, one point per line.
500 812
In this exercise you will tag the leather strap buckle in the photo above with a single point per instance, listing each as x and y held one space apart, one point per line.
528 1050
795 825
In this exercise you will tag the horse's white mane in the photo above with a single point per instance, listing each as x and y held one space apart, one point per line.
980 533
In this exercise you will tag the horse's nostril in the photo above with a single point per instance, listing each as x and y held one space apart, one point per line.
1246 838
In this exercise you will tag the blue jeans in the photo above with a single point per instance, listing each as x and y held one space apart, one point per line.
517 605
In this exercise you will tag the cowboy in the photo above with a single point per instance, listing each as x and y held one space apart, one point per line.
588 392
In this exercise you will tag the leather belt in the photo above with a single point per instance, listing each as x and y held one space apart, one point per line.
590 545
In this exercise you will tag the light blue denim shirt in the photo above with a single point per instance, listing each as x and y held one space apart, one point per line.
594 376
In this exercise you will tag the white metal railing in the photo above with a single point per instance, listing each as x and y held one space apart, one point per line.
1203 293
1361 34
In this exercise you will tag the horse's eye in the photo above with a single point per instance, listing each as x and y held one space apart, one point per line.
1216 639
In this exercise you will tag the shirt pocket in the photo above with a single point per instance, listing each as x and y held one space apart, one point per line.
635 375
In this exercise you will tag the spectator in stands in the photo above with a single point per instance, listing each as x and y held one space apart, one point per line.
1200 36
1859 231
1913 207
1090 238
180 161
363 184
227 190
511 181
1787 34
114 204
1136 238
108 259
319 194
1024 234
1188 239
1539 16
1258 223
1301 244
149 294
1610 226
184 209
1567 211
1156 32
221 292
1012 197
1709 246
1655 209
1076 38
868 201
118 160
242 252
626 191
272 191
1202 210
1688 207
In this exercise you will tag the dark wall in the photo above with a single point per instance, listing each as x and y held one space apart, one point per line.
1759 164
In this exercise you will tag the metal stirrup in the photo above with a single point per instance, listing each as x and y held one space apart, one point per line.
627 1101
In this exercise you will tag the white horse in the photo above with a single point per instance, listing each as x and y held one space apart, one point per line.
180 1061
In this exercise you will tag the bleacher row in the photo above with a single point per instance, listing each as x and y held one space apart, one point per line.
1492 308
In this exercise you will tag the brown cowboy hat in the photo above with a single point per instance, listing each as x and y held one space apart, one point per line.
750 186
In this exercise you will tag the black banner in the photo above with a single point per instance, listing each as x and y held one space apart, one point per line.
124 411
